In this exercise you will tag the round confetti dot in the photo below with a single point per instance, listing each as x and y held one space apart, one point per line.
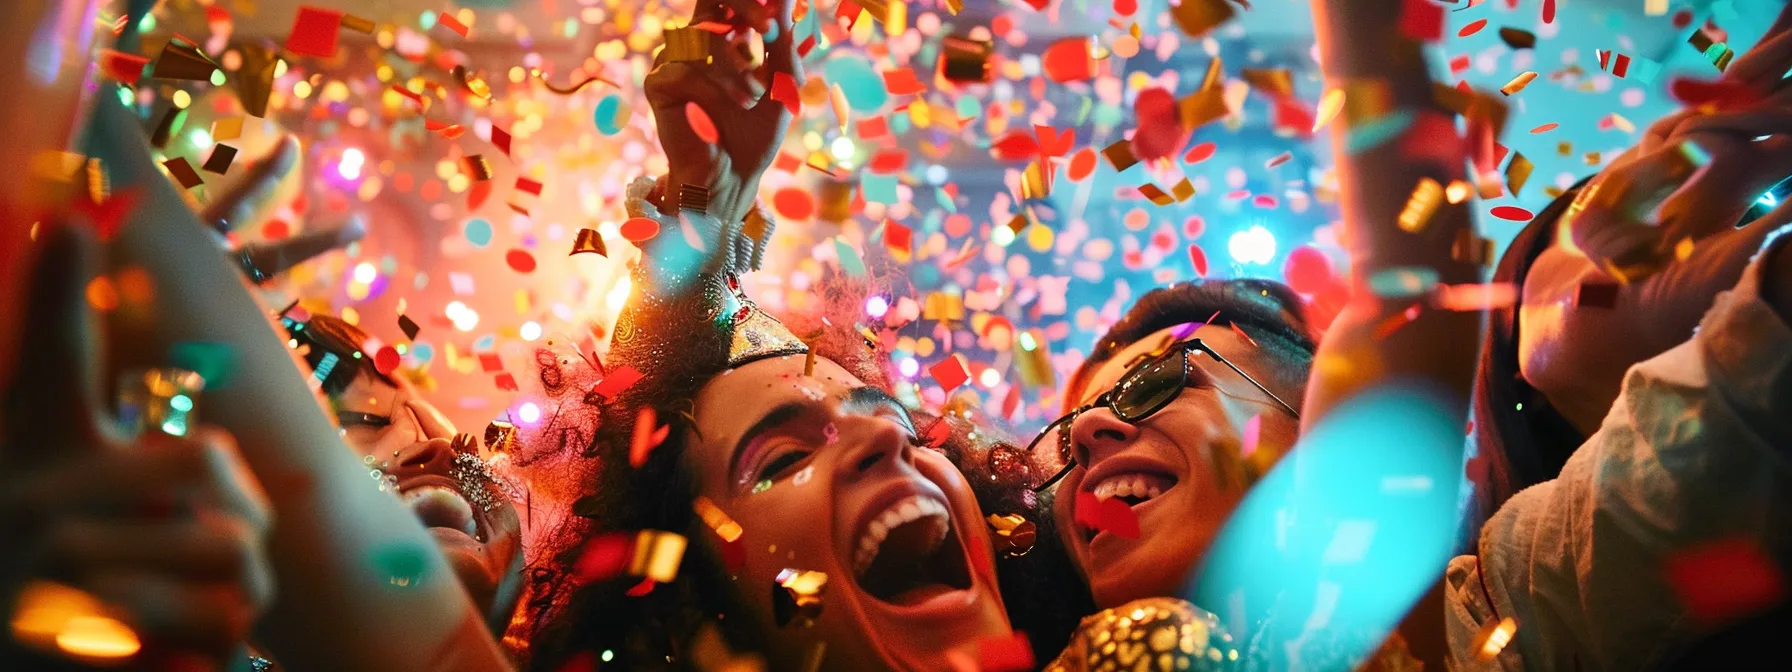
1199 153
1194 226
859 82
958 225
793 203
520 261
1068 60
1511 213
386 360
1082 164
276 230
1126 7
640 229
478 232
611 115
1136 219
1039 237
700 122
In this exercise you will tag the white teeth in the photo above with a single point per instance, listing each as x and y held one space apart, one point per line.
1142 486
904 511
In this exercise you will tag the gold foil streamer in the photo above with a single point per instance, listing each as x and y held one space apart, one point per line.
357 24
1275 83
966 60
1014 534
686 45
1518 172
477 167
1423 203
717 519
657 555
1518 83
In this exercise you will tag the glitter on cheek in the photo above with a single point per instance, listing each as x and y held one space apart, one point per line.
832 433
803 476
762 486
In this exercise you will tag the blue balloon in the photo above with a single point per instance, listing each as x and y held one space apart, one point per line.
858 79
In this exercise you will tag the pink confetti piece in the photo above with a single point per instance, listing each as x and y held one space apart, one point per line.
700 122
1253 432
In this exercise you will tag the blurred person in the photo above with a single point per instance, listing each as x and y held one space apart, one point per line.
437 471
1159 421
163 531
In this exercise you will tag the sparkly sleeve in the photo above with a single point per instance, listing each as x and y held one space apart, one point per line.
1160 634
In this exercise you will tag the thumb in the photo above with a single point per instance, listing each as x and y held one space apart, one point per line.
53 402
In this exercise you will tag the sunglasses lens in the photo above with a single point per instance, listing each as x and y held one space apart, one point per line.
1148 387
1050 452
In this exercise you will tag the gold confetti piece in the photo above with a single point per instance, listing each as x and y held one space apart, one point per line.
1457 192
1518 172
473 84
1565 148
357 24
99 185
1592 158
477 167
1215 77
1621 123
228 128
1366 100
1276 83
1683 249
1033 183
1017 223
1032 360
1421 206
1518 83
1198 17
589 241
1014 534
1203 107
796 596
1329 106
809 364
657 555
716 519
1120 155
183 172
254 81
944 307
836 200
967 60
1157 195
1183 190
1493 638
1469 248
686 45
1490 185
180 60
1655 7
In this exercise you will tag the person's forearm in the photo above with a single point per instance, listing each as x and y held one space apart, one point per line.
1363 48
360 583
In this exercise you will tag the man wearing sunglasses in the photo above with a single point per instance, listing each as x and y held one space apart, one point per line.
1185 402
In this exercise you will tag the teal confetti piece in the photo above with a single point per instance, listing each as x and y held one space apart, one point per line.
849 258
1376 132
879 188
401 565
215 362
1403 282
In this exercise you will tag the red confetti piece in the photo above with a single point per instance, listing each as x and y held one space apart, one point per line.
794 203
1307 270
527 185
1549 11
1005 653
1126 7
1016 146
649 433
1116 516
898 237
1010 401
448 21
1725 580
1160 125
1068 60
1265 201
1545 128
314 32
1422 21
1082 165
1721 93
1053 142
784 90
507 382
1511 213
1200 152
873 127
1087 504
1472 28
938 433
902 82
122 67
1279 159
520 261
888 161
639 229
1199 257
949 373
386 360
617 381
700 122
277 229
490 363
603 558
478 193
640 589
108 215
501 138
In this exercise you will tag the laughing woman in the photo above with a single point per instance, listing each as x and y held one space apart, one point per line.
822 534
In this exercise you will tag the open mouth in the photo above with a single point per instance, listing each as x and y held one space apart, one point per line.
442 507
1133 488
910 553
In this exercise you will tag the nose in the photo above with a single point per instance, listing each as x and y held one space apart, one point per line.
1096 434
870 446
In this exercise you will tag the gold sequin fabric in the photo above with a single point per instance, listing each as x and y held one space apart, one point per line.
1150 635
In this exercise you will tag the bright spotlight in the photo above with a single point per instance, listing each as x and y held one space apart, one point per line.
1255 245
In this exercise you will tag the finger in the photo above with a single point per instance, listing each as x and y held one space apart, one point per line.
239 204
1764 64
1748 124
749 14
52 407
168 612
275 258
431 421
113 480
217 549
781 46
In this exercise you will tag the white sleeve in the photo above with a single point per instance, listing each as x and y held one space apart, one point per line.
1693 452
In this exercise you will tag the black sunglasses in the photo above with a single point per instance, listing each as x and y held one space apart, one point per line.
1145 389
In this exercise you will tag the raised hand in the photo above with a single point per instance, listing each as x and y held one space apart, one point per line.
245 205
735 97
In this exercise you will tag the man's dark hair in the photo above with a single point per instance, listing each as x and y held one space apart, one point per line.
1269 312
334 351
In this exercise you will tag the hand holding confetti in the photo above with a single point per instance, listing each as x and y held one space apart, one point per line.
721 120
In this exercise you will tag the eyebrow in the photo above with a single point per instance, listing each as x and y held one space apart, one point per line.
778 416
874 396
